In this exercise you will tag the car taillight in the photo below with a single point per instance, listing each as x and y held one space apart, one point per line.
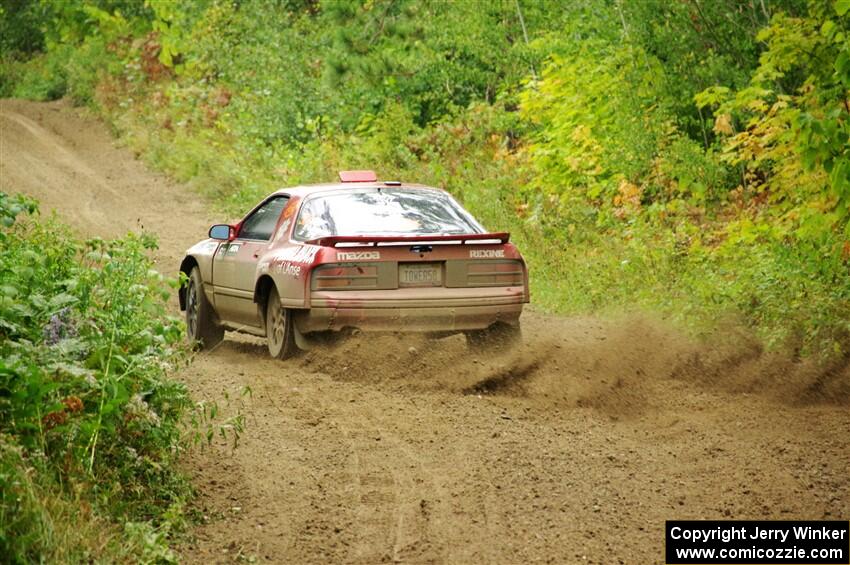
349 277
494 273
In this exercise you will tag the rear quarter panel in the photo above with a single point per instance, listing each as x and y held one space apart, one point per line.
289 263
289 266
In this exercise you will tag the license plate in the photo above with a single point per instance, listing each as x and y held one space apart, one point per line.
420 274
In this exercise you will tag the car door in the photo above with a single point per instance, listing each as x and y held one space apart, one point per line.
235 264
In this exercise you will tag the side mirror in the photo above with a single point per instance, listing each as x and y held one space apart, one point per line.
222 232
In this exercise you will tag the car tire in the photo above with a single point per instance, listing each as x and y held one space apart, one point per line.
280 328
201 328
498 336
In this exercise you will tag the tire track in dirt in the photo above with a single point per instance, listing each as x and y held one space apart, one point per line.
397 498
574 448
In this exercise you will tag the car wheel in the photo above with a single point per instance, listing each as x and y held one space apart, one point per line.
498 336
280 329
201 328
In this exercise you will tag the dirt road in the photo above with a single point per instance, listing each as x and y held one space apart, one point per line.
573 449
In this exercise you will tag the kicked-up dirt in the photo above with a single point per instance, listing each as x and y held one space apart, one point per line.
573 448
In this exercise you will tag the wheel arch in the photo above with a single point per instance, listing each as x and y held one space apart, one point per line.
262 289
186 266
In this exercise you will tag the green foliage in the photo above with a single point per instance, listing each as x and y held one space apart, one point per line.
592 134
172 22
19 26
12 206
701 44
794 133
271 89
64 71
25 525
11 73
85 400
435 56
689 157
71 23
86 68
44 78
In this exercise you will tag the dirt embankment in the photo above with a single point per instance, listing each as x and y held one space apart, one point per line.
573 448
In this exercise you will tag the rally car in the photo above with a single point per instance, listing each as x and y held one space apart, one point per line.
359 254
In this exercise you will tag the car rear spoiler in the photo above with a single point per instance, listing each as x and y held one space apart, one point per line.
333 241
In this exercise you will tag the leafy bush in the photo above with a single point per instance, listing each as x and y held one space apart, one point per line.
86 405
11 72
591 133
85 70
789 129
45 77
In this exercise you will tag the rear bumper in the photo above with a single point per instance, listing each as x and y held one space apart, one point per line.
413 309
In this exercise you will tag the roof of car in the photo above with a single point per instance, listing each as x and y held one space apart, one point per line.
304 190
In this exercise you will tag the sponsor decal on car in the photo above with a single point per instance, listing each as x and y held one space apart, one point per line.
486 253
289 211
283 230
304 254
286 268
357 255
229 249
291 261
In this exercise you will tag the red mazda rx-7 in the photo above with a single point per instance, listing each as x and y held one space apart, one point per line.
362 253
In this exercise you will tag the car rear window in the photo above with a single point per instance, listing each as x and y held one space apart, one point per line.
383 212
